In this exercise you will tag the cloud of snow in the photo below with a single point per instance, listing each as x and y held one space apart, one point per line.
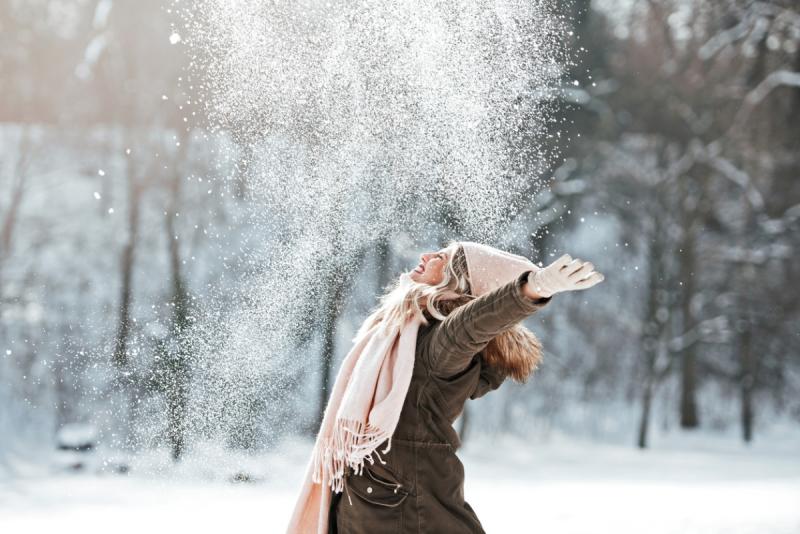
359 120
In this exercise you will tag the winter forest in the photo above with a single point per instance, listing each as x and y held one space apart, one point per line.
201 201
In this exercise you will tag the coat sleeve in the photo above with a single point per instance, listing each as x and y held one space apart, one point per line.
469 328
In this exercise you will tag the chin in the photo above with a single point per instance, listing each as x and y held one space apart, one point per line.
419 278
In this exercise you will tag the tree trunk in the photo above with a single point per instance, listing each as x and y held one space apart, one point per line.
651 335
333 309
383 253
126 377
126 271
178 369
338 279
689 417
644 418
242 171
17 193
748 364
747 383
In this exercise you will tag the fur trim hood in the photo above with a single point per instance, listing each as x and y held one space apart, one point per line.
517 353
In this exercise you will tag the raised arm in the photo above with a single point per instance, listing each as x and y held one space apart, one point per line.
469 328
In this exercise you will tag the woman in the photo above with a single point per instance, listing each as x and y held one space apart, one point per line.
384 460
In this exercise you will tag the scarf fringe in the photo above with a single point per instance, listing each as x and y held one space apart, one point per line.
351 443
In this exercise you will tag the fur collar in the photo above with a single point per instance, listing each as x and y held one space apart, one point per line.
517 353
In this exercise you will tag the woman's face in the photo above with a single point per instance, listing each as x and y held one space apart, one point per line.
431 268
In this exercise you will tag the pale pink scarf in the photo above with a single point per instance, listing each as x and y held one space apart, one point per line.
362 412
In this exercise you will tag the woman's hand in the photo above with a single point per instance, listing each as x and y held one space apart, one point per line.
564 274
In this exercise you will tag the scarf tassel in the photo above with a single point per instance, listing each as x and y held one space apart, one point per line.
353 443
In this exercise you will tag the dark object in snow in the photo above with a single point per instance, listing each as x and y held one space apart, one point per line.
242 476
77 465
119 467
77 445
76 437
115 466
73 461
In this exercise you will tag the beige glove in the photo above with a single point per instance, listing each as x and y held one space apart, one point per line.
564 274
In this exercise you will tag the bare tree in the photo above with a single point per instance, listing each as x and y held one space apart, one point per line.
174 366
18 181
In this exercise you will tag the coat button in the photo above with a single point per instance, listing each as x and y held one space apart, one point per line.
369 489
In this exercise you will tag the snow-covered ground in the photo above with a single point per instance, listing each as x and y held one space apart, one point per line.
690 484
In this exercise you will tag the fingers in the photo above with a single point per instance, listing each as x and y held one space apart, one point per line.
589 281
562 262
582 271
574 268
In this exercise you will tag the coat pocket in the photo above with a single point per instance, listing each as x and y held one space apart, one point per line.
380 488
374 504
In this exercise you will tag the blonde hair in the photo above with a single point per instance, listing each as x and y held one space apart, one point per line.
406 298
516 352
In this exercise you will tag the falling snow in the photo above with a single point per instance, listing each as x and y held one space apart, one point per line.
356 122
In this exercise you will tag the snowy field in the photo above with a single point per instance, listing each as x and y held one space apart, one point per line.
691 485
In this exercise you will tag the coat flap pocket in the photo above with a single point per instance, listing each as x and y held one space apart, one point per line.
376 488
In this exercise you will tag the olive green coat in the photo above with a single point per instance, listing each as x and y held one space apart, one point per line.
421 486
